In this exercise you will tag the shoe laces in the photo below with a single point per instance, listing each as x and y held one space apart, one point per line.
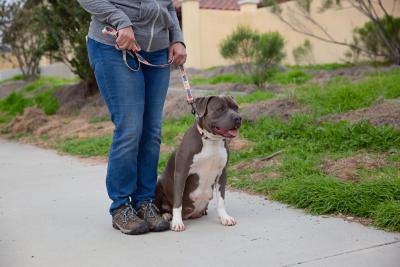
129 213
150 210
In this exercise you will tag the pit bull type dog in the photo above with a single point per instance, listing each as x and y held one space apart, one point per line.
198 166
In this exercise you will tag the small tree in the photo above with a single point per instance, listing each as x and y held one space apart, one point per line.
303 53
66 25
368 43
301 20
240 47
256 54
22 34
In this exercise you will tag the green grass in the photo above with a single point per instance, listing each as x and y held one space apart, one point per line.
227 78
18 77
387 215
173 128
14 104
47 82
254 97
324 195
330 66
306 144
98 119
38 93
95 146
290 77
342 95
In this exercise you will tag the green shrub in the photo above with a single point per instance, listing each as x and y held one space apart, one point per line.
47 102
367 40
256 54
240 46
303 53
15 103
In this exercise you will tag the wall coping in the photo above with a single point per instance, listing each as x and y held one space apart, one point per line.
244 2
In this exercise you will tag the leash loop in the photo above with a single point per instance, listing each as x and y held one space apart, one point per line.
141 60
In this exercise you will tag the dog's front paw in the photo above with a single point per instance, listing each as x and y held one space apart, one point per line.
227 220
177 225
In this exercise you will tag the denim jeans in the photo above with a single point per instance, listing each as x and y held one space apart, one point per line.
135 101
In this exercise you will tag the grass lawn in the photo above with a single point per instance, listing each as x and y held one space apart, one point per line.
297 176
38 93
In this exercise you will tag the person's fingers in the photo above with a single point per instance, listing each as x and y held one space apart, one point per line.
126 39
132 47
171 54
180 58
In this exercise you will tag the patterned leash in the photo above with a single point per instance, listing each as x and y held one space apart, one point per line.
109 31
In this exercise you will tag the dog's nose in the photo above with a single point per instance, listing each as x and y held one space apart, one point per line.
238 121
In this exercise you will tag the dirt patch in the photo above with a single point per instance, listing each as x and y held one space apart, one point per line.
259 176
228 87
30 121
175 106
78 127
164 148
281 108
354 73
71 99
361 220
7 88
256 164
238 144
382 113
346 168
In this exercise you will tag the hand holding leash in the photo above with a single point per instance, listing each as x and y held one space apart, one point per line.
126 39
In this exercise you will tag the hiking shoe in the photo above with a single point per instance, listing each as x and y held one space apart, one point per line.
149 212
126 220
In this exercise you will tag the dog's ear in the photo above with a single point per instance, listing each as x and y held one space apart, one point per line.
201 104
231 101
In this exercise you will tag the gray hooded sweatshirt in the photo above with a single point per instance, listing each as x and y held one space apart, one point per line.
154 22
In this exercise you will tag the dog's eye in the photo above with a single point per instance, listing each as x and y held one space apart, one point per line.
220 109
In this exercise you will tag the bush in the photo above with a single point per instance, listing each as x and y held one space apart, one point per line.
303 53
367 40
256 54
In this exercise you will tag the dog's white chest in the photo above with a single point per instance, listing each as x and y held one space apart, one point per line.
208 165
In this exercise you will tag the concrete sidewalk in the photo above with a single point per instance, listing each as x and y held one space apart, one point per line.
53 212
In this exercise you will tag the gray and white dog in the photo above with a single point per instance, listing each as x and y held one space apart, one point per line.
198 166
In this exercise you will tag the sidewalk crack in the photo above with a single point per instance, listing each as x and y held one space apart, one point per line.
342 253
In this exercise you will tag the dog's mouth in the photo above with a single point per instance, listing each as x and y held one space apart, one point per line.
228 133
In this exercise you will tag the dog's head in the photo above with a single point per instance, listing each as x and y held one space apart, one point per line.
219 115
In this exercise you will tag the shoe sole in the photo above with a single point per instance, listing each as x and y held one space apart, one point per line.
140 230
160 228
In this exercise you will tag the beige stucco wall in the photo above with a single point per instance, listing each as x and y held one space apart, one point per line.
204 29
8 61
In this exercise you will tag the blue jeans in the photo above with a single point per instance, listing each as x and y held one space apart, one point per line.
135 101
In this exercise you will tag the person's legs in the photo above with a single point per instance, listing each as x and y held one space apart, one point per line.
123 92
156 87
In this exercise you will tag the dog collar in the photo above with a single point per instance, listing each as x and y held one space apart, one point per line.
207 135
201 131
